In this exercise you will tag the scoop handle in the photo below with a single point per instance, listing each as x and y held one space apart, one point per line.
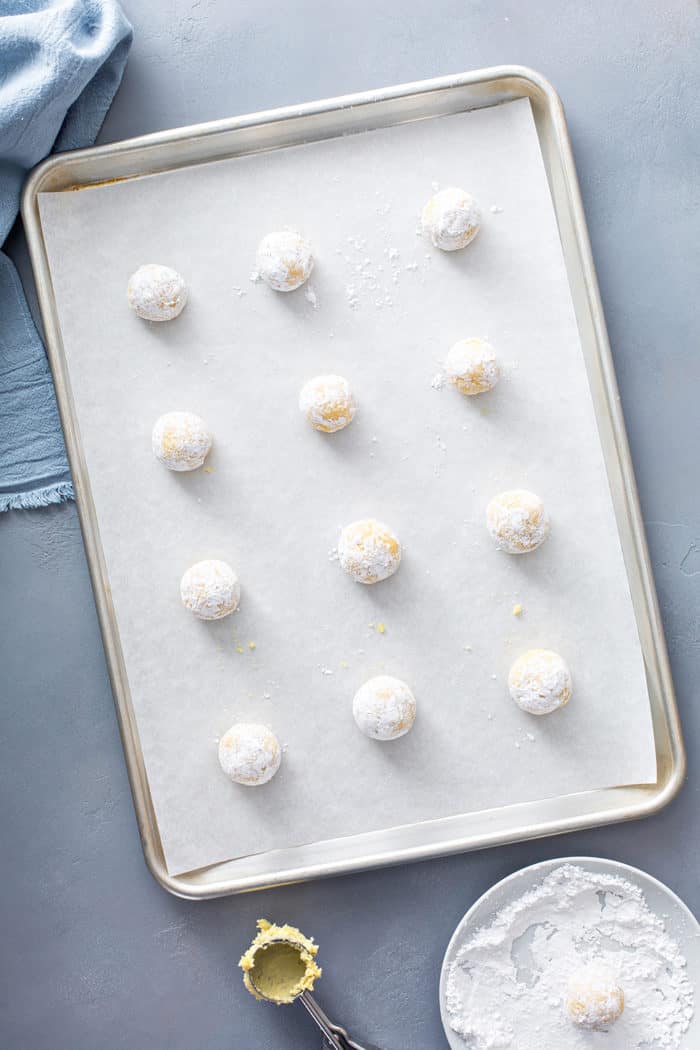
311 1006
336 1036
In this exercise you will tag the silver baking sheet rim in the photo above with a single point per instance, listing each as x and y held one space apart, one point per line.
276 129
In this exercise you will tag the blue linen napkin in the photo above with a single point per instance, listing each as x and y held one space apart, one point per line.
61 62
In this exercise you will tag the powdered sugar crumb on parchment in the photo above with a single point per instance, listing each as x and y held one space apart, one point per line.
374 268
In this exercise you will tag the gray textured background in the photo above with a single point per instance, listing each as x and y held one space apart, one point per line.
95 955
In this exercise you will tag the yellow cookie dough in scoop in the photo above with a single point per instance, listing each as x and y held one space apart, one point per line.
280 963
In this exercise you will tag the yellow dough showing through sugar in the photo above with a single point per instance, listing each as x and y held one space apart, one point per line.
210 589
384 708
452 219
327 402
284 260
156 293
594 1000
518 521
471 366
180 441
540 682
250 754
369 551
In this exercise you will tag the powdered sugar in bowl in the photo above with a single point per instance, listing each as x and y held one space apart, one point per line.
510 962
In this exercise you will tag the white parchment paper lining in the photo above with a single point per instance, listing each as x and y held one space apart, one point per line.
382 308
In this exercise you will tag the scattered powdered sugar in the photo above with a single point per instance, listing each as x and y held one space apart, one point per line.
255 276
495 210
438 381
383 206
311 297
506 988
374 267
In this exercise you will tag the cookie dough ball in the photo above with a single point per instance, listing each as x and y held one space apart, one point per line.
594 999
369 551
284 260
328 403
156 293
249 754
180 441
384 708
210 589
517 521
539 681
471 365
451 219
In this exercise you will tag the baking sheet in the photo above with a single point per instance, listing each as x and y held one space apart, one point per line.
383 307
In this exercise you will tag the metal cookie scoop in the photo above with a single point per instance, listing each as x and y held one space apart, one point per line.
273 957
335 1036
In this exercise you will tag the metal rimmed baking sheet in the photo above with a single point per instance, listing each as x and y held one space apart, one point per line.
328 120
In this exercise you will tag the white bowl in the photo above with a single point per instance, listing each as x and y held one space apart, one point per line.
680 924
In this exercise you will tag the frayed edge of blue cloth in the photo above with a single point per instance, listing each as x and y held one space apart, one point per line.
59 492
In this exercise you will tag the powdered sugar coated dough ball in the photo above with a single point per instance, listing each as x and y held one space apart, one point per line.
518 521
540 682
249 754
210 590
284 260
471 365
452 219
594 999
156 293
328 403
180 441
369 551
384 708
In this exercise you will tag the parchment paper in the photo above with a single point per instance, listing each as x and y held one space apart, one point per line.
425 460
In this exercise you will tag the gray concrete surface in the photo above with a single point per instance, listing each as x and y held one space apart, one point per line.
95 955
